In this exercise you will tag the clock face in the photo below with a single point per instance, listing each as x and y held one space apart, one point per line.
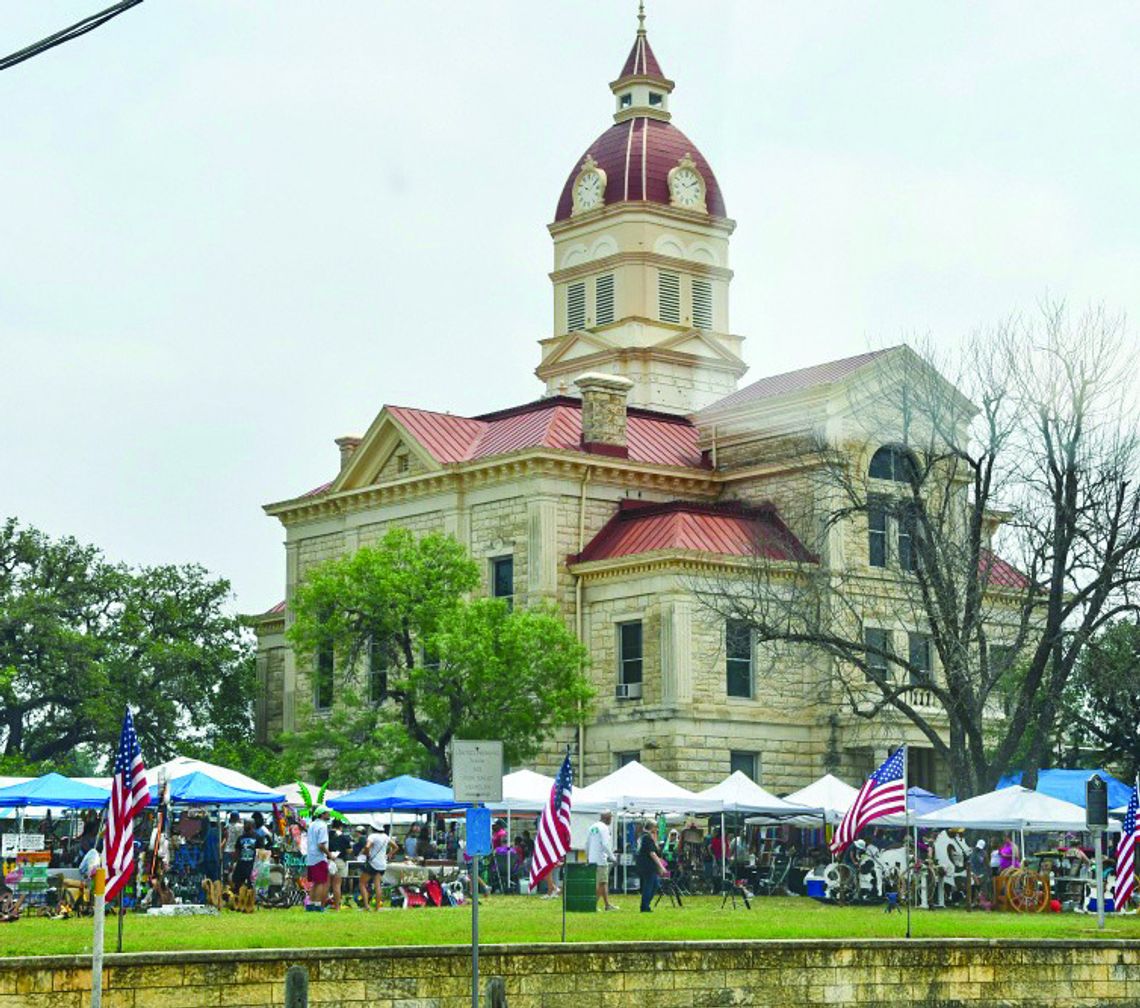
688 190
588 191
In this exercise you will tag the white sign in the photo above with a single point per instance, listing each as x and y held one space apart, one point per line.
477 770
16 843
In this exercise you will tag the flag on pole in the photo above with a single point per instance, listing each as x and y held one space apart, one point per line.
129 796
553 839
883 794
1126 853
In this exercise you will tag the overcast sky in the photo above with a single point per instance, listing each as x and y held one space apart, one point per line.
234 230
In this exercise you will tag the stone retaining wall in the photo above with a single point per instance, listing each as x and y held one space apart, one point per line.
945 973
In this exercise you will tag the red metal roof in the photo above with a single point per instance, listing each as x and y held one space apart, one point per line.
637 156
655 438
641 62
279 608
731 529
998 573
795 381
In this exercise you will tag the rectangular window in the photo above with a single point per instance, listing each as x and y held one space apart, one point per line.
323 678
922 767
877 535
908 538
576 306
431 659
702 304
919 659
655 98
604 299
876 640
629 660
625 758
738 658
377 671
747 763
626 100
669 297
503 579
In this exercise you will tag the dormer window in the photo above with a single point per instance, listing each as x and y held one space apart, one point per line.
626 100
655 98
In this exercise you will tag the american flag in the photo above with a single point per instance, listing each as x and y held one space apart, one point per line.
883 794
129 796
1126 854
553 839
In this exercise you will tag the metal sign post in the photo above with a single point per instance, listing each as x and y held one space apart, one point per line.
1096 818
477 776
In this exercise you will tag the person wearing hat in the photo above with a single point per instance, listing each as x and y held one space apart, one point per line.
317 859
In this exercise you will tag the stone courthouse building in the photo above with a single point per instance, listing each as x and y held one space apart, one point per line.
644 467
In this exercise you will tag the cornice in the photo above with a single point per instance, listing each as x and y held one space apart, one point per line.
675 562
640 355
631 207
642 258
465 476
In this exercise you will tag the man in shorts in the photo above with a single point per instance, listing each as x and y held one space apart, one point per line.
600 852
317 860
375 864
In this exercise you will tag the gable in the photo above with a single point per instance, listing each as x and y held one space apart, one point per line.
379 455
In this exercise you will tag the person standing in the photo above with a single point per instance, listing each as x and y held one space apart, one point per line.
375 864
233 833
599 853
317 860
649 865
248 844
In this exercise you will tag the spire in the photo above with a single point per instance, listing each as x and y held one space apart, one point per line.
641 62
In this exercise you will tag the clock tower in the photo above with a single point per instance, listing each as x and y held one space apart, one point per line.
641 271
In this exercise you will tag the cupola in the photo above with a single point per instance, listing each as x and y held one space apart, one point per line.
642 89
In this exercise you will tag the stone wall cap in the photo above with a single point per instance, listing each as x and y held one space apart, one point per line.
597 380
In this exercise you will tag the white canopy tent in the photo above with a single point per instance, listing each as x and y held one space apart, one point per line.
1011 808
738 793
829 795
180 766
635 788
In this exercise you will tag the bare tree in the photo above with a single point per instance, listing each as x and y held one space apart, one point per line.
990 519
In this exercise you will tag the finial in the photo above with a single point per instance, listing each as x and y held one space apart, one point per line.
641 16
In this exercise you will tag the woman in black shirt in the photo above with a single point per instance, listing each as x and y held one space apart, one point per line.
649 865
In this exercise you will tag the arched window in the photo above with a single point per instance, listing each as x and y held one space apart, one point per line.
893 462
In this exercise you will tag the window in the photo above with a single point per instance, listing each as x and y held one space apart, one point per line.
377 671
655 98
878 666
323 678
604 299
431 659
576 306
738 658
402 463
892 462
503 579
908 537
877 535
626 100
919 659
625 758
702 304
922 768
629 661
669 297
746 762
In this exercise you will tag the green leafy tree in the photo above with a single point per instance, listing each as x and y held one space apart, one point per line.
1102 704
80 638
419 662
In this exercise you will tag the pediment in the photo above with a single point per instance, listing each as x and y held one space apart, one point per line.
577 344
699 344
375 459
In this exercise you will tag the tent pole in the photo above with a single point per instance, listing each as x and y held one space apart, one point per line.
723 854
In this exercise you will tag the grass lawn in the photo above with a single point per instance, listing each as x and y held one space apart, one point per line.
527 919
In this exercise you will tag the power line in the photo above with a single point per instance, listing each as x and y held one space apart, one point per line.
79 28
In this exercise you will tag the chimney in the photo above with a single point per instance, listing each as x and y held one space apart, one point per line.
603 413
347 446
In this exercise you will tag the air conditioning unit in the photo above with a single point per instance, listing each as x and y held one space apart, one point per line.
628 691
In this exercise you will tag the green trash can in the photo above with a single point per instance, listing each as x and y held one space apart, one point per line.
581 881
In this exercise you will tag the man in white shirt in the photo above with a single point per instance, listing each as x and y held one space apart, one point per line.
375 854
317 860
599 853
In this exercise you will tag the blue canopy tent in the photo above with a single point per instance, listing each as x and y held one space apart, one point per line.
201 789
921 801
1069 785
53 790
400 794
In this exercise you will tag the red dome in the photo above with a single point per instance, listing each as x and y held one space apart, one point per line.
637 156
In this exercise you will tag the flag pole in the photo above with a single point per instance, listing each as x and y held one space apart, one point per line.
906 813
119 904
563 888
97 941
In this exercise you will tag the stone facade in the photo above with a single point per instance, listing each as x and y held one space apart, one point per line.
836 974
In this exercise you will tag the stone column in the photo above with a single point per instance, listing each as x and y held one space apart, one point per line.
289 687
542 547
676 651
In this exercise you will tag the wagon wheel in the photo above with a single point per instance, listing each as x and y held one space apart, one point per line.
1028 891
841 881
